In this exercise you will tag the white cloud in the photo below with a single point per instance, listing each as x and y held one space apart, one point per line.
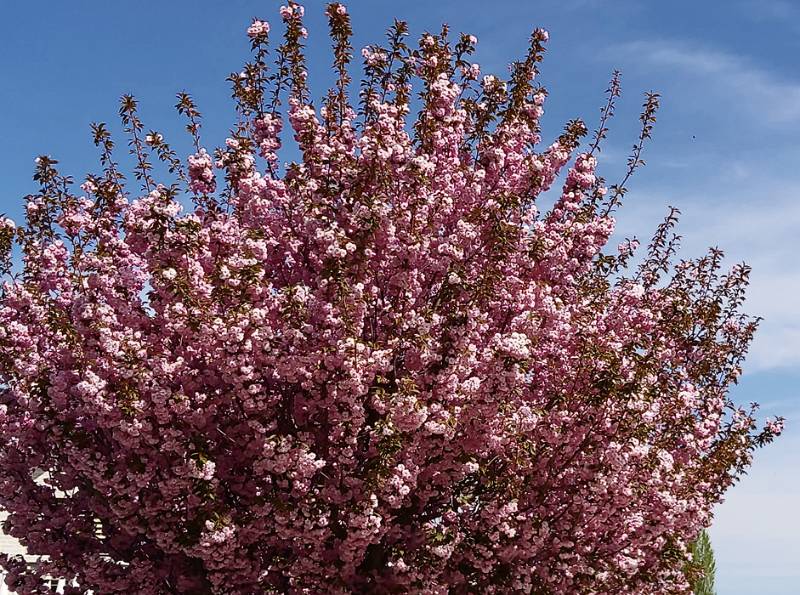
721 80
755 530
782 11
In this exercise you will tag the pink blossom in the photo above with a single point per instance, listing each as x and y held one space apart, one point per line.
201 174
258 29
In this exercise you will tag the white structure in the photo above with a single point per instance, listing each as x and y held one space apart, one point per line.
10 545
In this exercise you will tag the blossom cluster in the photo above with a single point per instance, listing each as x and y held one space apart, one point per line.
258 30
201 173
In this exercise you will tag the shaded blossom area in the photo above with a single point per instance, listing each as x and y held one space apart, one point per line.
378 369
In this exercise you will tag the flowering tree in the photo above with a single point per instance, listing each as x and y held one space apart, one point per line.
378 369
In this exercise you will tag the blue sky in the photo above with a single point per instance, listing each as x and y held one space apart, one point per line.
725 149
